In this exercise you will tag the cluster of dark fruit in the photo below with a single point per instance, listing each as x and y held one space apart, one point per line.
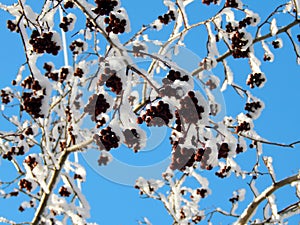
112 81
159 115
6 96
166 18
63 191
104 7
223 172
231 3
173 76
189 110
31 162
276 44
68 5
132 139
12 26
181 157
78 72
239 149
237 44
251 107
97 104
107 139
243 23
207 2
202 192
196 219
234 199
244 126
13 151
76 47
23 183
43 43
115 24
103 160
267 57
89 24
223 151
61 77
255 79
178 126
65 23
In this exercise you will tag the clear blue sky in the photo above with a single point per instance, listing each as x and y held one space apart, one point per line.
116 204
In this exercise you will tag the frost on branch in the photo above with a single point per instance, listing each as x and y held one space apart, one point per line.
105 88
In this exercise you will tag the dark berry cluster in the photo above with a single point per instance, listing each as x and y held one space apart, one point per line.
12 26
223 151
32 104
77 47
115 24
244 126
189 109
182 157
132 139
104 7
103 160
107 139
6 96
78 72
31 162
231 3
252 107
255 79
90 25
97 104
202 192
66 22
234 199
64 192
237 44
23 183
159 115
61 77
223 172
69 4
178 126
166 18
239 149
173 76
112 81
13 151
276 44
43 43
208 2
267 57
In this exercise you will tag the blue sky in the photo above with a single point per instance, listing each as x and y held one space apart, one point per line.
115 204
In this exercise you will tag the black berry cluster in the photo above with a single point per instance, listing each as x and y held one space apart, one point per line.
267 57
66 22
182 157
237 44
132 139
223 151
13 151
276 44
178 126
77 47
104 7
78 72
208 2
43 43
103 160
223 172
239 149
69 4
112 81
244 126
31 162
189 109
60 77
23 183
97 104
64 192
166 18
173 76
159 115
115 24
234 199
107 139
252 107
231 3
90 25
6 96
12 26
255 79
